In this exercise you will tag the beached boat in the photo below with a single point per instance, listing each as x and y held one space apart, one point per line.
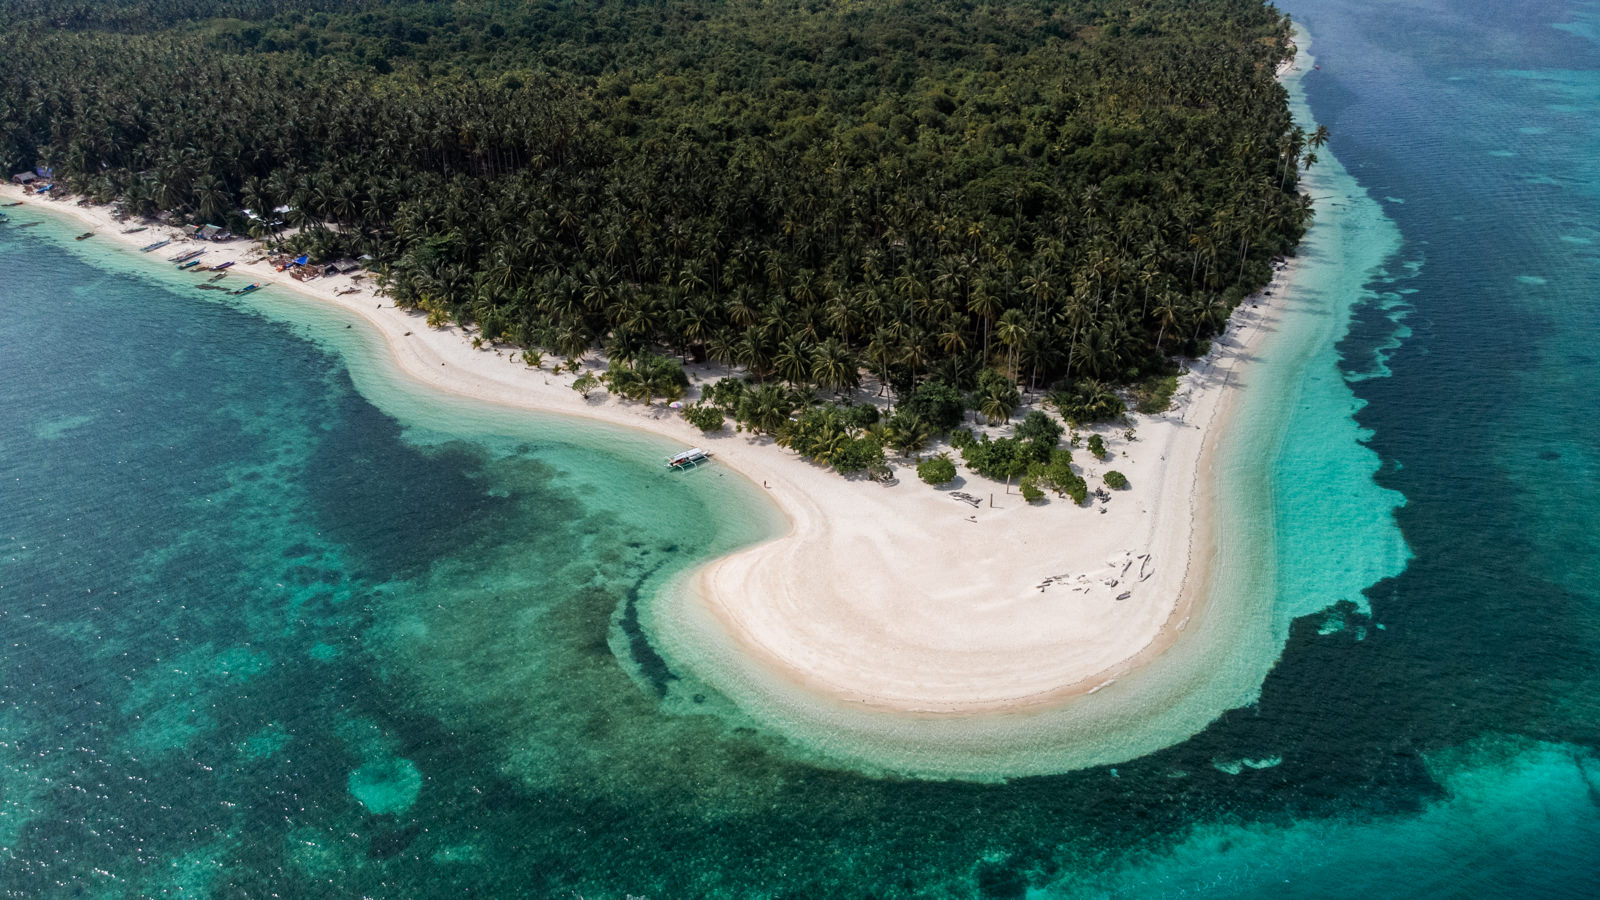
185 257
85 235
136 230
18 203
253 286
190 264
688 459
223 266
156 246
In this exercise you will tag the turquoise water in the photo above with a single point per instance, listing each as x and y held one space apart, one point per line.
271 627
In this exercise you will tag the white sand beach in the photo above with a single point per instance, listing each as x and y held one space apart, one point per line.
901 597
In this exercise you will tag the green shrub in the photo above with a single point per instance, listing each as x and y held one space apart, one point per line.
1116 480
1153 395
936 403
824 433
647 377
960 438
937 470
704 416
1097 446
1057 475
585 384
859 454
1087 401
1031 492
1042 434
725 394
996 397
906 433
1001 460
860 416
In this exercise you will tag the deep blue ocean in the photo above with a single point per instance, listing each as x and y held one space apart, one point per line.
272 624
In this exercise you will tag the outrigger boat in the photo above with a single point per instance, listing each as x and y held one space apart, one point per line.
137 230
688 459
185 257
252 286
223 266
84 236
156 246
190 264
218 277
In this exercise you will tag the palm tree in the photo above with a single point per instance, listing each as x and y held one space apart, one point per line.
908 434
998 402
833 366
793 361
1012 331
1168 309
985 304
880 354
211 197
767 408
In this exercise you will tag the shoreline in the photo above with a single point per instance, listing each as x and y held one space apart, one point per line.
740 574
856 600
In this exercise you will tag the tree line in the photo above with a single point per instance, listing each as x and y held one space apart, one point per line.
1063 195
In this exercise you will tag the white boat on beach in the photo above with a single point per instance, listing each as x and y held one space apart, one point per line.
688 459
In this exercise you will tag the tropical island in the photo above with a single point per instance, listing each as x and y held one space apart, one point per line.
857 238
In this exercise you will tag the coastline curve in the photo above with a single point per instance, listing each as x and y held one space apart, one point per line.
1229 602
950 711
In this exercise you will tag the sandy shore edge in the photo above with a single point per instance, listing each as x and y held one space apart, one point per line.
902 598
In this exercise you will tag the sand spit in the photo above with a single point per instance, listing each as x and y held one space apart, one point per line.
901 597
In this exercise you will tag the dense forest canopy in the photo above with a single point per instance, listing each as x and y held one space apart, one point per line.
1066 191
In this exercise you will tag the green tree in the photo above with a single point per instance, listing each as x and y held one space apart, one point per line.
936 403
1041 433
766 408
1088 401
937 470
705 417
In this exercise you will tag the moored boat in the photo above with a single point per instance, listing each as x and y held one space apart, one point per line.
136 230
688 459
85 235
253 286
190 264
156 246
